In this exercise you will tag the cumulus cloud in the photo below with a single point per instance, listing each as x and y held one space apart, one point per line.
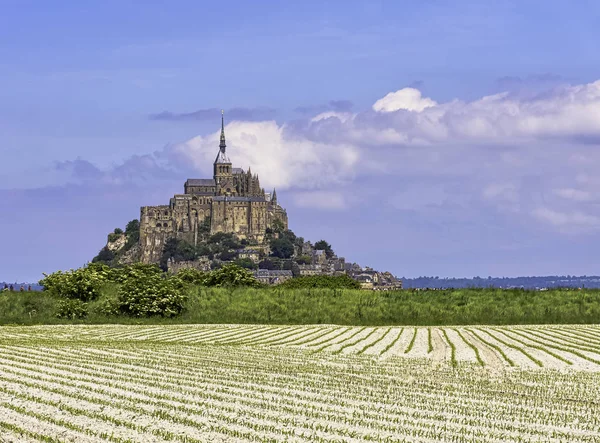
281 159
409 99
406 117
505 151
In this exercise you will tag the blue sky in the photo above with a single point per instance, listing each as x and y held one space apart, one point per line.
425 138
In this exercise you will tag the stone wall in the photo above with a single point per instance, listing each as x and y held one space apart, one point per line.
202 264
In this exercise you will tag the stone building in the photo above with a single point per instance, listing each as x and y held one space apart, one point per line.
200 264
252 254
272 277
231 202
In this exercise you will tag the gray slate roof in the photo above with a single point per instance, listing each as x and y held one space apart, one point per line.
200 182
221 198
269 273
237 170
222 158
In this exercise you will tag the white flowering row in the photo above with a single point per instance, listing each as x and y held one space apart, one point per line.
299 383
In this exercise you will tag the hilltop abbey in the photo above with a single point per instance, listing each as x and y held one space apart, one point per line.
231 202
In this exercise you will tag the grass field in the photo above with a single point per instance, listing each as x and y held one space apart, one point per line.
195 383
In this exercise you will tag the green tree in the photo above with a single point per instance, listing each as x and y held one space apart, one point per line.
132 231
104 256
282 248
266 264
178 250
231 275
227 255
303 260
322 245
277 225
246 263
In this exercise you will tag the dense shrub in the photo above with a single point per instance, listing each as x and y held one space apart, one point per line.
246 263
147 293
83 284
230 275
71 309
192 276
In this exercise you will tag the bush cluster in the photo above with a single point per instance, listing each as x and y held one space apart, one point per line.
142 290
83 284
147 292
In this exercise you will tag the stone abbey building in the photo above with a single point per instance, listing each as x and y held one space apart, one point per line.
231 202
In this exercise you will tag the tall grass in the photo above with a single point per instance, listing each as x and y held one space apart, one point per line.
339 306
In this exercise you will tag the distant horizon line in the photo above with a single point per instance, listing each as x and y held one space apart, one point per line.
569 276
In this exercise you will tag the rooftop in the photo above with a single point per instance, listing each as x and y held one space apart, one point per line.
200 182
271 273
221 198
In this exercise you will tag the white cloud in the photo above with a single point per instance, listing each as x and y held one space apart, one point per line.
574 194
281 159
341 116
571 220
409 99
506 151
568 111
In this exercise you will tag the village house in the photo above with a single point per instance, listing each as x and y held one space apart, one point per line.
272 277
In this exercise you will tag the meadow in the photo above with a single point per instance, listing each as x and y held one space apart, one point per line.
321 383
215 305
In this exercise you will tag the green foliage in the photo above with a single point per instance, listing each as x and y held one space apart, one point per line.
313 305
322 281
132 231
83 284
191 276
246 263
227 255
224 241
277 226
146 292
322 245
289 235
178 250
132 226
282 248
132 237
230 275
303 260
266 264
113 236
71 309
204 227
104 256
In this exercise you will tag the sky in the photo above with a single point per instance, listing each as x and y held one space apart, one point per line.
448 138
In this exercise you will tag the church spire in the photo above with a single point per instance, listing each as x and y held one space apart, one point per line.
274 197
221 155
222 144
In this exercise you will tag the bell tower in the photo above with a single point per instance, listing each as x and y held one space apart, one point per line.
222 171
